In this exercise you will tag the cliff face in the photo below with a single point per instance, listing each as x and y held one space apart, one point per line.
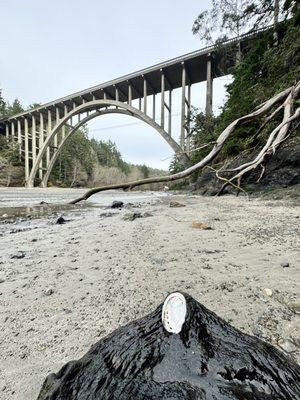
208 359
282 171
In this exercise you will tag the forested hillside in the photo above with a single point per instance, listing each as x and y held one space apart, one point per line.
269 65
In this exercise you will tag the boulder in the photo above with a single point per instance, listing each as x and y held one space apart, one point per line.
117 204
207 359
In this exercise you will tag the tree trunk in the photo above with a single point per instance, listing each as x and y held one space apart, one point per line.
286 96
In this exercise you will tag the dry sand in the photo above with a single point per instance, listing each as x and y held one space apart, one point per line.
79 281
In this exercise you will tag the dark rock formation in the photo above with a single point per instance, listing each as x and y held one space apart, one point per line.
61 220
207 360
282 170
117 204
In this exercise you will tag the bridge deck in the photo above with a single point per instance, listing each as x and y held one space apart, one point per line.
195 65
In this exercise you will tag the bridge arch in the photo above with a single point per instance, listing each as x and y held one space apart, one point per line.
97 106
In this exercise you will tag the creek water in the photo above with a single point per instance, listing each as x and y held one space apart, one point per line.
21 202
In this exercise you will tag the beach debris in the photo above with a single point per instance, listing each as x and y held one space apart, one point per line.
284 264
180 351
293 306
200 225
287 345
158 260
176 204
174 312
18 254
48 291
131 216
117 204
107 214
268 292
61 220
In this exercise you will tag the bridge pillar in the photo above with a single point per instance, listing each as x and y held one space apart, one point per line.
209 86
183 103
162 105
33 139
26 148
41 141
19 139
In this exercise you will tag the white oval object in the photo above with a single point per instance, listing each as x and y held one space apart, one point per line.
174 312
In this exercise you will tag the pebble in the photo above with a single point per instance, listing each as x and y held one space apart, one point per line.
284 264
287 345
117 204
48 292
18 254
61 220
268 292
176 204
200 225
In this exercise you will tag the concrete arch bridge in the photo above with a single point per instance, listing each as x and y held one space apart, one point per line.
42 132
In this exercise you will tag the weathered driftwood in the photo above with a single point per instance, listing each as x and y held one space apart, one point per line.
286 97
207 360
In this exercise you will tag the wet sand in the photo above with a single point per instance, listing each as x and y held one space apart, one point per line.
79 281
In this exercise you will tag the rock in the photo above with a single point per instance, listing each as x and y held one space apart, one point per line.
107 214
200 225
48 292
206 359
18 254
117 204
287 345
158 260
284 264
268 292
61 220
176 204
294 306
2 280
131 216
4 215
43 202
147 214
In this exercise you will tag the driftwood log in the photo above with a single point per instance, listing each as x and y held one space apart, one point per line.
285 99
207 360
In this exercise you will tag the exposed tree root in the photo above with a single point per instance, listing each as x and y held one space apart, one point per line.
286 98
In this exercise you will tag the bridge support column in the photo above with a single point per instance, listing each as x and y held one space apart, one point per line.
209 86
170 113
33 139
19 139
129 94
145 96
49 128
162 105
41 141
26 149
57 120
13 130
7 131
183 100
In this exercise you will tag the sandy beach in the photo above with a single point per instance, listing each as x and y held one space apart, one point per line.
63 287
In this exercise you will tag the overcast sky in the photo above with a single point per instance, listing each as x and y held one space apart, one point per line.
53 48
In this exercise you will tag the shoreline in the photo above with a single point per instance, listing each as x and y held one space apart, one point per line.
79 281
